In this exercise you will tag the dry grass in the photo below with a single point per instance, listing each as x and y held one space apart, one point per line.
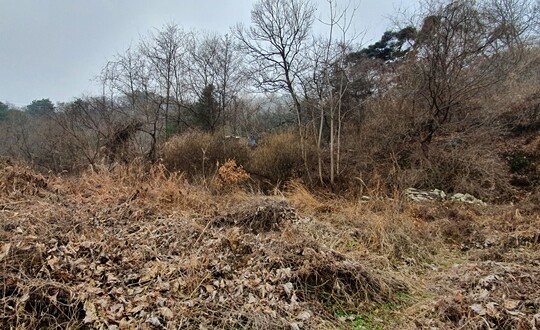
136 248
142 248
278 158
441 251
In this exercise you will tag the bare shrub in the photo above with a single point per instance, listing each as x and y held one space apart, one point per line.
41 306
380 144
278 158
258 215
474 168
459 227
463 157
198 154
19 180
187 153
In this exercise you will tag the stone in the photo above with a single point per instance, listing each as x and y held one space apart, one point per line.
417 195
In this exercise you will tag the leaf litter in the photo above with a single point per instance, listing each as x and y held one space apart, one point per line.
72 256
143 249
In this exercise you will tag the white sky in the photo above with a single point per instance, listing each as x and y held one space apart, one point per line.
54 48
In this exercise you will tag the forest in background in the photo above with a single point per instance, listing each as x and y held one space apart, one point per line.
448 98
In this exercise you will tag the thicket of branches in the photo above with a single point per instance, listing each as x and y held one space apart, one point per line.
423 107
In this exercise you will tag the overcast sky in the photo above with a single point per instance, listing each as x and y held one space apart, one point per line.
54 48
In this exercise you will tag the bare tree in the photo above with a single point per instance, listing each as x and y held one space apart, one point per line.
230 72
329 84
159 83
135 88
463 47
276 41
215 61
17 133
516 22
86 125
163 50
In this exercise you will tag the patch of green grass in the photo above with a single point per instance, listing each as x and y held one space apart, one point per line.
351 245
360 321
377 317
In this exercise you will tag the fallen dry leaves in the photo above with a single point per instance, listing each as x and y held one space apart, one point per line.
142 249
70 259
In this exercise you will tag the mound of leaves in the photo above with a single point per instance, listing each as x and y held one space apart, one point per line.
19 180
260 215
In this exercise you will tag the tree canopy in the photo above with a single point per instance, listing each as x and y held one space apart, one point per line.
40 107
393 45
4 108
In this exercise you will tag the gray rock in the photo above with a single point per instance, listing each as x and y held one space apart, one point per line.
467 198
417 195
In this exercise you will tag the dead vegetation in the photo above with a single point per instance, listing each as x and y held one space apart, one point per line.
485 295
120 250
149 214
141 248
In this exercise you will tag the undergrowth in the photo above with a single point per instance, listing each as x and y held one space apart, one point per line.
141 247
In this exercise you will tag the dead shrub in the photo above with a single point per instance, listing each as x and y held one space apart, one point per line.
524 116
259 215
531 203
342 283
188 153
379 144
231 175
278 158
461 158
427 212
41 306
198 154
461 229
17 179
466 154
473 169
